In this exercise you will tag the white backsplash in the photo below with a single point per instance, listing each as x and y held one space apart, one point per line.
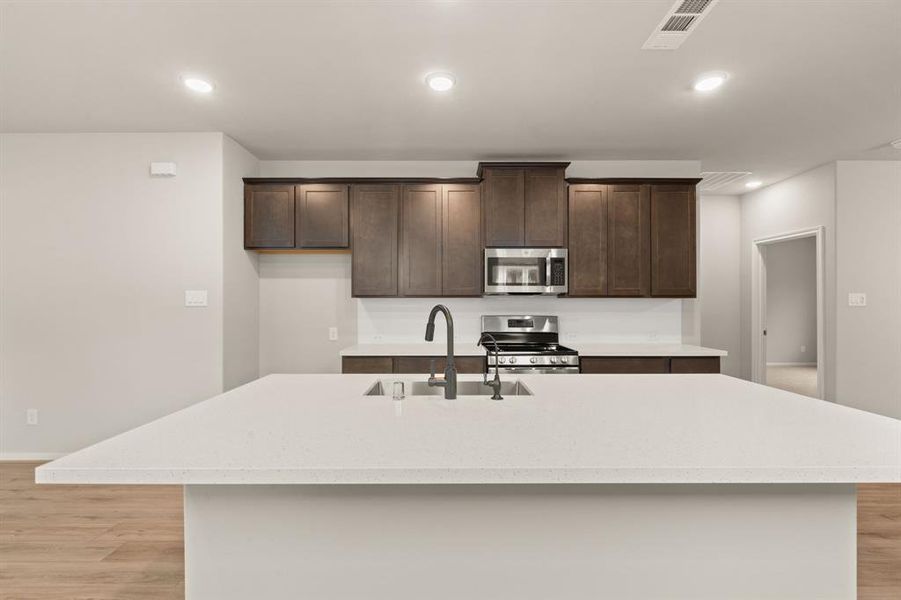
403 320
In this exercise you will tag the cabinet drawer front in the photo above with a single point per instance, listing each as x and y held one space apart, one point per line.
268 216
695 364
322 216
367 364
625 364
421 364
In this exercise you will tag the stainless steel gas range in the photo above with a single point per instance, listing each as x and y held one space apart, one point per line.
528 344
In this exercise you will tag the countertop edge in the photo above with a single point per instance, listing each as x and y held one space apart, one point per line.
457 476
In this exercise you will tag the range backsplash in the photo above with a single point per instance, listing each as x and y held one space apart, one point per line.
389 320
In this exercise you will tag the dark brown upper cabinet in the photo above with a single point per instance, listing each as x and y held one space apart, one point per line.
545 210
673 240
628 240
322 215
524 204
588 230
375 213
440 240
420 240
269 216
462 240
504 193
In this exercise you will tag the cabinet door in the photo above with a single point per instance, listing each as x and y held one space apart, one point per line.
625 364
628 240
420 243
504 204
422 364
588 240
695 364
374 225
545 207
462 247
673 246
367 364
268 216
322 212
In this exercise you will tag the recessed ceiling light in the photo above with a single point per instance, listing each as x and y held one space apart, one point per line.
440 82
754 183
710 81
198 85
897 144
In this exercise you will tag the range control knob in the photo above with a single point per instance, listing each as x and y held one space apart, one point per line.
512 360
553 359
533 360
502 359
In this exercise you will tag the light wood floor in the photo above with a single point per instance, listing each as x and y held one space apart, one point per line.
125 542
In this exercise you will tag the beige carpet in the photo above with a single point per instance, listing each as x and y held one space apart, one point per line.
797 379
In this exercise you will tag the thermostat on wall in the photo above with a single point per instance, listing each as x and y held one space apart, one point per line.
162 169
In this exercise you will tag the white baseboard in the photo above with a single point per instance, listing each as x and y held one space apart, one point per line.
29 456
791 364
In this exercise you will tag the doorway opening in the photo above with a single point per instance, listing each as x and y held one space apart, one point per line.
787 280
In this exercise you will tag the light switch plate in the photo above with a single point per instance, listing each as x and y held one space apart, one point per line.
196 298
333 333
857 299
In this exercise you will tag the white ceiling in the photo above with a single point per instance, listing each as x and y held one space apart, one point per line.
811 81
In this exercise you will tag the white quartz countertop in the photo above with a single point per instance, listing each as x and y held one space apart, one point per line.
584 349
321 429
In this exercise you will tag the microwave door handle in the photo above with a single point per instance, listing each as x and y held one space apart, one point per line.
547 263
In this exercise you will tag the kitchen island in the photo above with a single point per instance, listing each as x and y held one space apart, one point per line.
625 486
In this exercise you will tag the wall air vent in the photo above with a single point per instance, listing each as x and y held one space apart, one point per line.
714 180
680 21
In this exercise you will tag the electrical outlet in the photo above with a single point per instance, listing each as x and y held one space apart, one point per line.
31 416
857 299
196 298
803 348
333 333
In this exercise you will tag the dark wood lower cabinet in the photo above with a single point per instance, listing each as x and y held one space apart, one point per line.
625 364
421 364
695 364
650 364
367 364
409 364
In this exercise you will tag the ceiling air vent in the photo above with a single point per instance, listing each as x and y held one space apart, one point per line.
681 19
714 180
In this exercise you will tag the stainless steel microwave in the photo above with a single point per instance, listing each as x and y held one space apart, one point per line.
526 271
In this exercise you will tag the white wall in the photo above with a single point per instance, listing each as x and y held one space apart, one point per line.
719 284
869 260
581 319
791 301
804 201
95 256
301 296
241 289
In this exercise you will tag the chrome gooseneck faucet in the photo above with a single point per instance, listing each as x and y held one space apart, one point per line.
449 383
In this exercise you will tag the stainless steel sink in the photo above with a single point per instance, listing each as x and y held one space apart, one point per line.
385 387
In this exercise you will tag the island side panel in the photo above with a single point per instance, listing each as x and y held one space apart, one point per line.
568 542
